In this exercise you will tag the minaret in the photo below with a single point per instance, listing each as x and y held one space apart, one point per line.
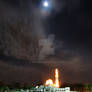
56 78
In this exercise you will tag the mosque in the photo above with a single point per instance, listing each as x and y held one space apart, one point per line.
50 86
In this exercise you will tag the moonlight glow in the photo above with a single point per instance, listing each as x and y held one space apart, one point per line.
45 4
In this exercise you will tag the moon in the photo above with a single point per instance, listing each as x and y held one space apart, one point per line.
45 4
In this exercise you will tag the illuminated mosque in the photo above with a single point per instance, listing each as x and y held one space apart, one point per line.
50 86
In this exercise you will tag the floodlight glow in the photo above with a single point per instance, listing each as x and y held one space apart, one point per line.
45 4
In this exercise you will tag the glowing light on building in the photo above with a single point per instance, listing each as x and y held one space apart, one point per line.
56 78
49 82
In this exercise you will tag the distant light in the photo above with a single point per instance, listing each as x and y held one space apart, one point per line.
37 86
45 4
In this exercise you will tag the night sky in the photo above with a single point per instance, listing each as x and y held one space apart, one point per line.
35 39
